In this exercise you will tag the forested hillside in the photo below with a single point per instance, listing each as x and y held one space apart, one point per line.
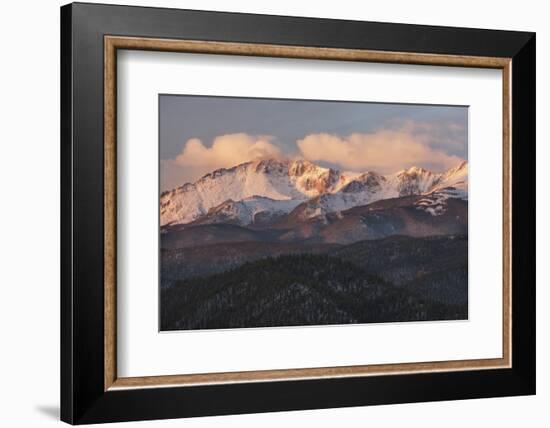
302 289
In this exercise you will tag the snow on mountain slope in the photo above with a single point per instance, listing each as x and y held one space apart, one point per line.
452 184
362 190
435 203
264 189
413 181
371 187
273 179
313 180
256 209
456 178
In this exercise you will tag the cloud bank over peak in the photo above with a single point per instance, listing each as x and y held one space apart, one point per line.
395 146
228 150
196 159
385 151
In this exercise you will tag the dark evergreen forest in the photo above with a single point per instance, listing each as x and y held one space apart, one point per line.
393 280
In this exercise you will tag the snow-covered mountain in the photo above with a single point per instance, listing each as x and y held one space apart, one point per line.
456 178
262 190
451 184
277 180
371 187
256 209
413 181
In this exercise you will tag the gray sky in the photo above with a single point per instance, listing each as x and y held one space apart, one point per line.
346 135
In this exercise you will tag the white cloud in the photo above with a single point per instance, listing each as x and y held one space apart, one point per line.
399 145
226 151
384 151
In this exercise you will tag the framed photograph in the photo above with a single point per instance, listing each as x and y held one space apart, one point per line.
265 213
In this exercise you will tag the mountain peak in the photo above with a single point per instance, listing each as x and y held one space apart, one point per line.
300 167
414 171
267 186
462 165
418 170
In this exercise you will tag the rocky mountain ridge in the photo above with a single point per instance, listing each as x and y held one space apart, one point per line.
264 191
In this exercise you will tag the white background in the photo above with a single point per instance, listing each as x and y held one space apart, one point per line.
29 215
142 351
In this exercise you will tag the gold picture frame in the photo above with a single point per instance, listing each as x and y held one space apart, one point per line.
114 43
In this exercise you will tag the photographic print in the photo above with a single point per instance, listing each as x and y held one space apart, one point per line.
283 212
